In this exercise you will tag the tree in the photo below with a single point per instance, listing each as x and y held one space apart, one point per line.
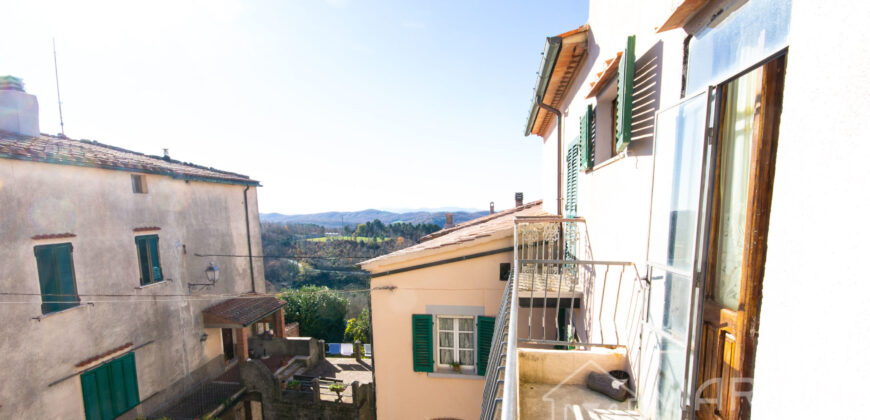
319 311
358 328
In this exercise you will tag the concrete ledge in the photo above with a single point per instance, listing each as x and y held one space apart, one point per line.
455 375
568 366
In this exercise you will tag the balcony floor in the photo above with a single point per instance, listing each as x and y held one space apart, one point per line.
551 402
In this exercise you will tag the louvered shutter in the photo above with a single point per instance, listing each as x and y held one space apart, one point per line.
571 187
46 266
156 271
624 91
586 139
485 328
69 294
423 353
131 381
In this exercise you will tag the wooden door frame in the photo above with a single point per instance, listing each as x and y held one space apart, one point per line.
762 167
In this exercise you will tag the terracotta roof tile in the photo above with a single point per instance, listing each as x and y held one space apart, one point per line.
471 230
244 310
50 149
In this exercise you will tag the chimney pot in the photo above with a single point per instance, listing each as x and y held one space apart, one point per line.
19 110
519 198
166 155
491 207
448 220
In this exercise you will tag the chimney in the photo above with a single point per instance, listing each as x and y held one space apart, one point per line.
448 220
519 198
19 111
491 207
166 155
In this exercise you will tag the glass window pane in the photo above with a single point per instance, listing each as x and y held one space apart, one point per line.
466 340
737 128
446 357
466 324
670 303
756 30
672 360
466 357
445 323
677 183
445 339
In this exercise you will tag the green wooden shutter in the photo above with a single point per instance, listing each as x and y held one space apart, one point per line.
485 327
90 395
111 389
131 384
624 91
586 139
66 274
571 176
156 272
142 253
46 266
424 355
104 392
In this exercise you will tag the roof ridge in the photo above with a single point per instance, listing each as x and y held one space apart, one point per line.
479 220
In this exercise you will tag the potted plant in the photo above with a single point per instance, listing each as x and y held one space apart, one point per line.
456 367
293 385
337 389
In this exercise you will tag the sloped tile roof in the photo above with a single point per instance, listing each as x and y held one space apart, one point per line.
241 310
88 153
472 230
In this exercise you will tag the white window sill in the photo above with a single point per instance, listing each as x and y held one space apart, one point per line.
50 314
455 375
153 284
613 159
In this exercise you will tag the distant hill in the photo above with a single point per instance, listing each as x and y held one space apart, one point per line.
353 218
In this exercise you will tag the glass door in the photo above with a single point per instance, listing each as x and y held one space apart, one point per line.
681 155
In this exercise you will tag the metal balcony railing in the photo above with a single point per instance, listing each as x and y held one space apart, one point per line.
552 281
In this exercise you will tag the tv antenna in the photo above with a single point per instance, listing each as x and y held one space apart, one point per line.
57 84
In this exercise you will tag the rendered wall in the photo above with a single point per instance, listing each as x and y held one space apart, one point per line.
814 309
401 392
99 207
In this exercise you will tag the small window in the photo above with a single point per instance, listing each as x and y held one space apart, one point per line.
149 259
57 281
455 341
504 271
138 184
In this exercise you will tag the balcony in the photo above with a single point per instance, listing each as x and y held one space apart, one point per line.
563 315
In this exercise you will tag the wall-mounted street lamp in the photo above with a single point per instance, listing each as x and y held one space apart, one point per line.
212 274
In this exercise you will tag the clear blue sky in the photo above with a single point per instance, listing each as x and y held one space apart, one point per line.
332 105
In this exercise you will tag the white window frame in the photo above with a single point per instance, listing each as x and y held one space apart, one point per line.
464 368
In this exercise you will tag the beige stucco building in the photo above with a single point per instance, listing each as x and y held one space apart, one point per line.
432 305
105 271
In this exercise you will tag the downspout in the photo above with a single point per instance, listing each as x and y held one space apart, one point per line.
248 230
558 114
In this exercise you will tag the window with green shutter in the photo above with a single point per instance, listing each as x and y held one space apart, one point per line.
624 91
57 281
110 389
572 174
423 354
149 259
485 329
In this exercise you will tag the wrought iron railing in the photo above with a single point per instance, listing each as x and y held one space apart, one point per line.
553 280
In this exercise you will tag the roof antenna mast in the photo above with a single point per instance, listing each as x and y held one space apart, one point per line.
57 84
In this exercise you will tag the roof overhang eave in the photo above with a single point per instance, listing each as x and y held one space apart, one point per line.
545 71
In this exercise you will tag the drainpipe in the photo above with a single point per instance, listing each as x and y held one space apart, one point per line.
248 230
558 114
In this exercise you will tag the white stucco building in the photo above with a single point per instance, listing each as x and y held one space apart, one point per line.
682 139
